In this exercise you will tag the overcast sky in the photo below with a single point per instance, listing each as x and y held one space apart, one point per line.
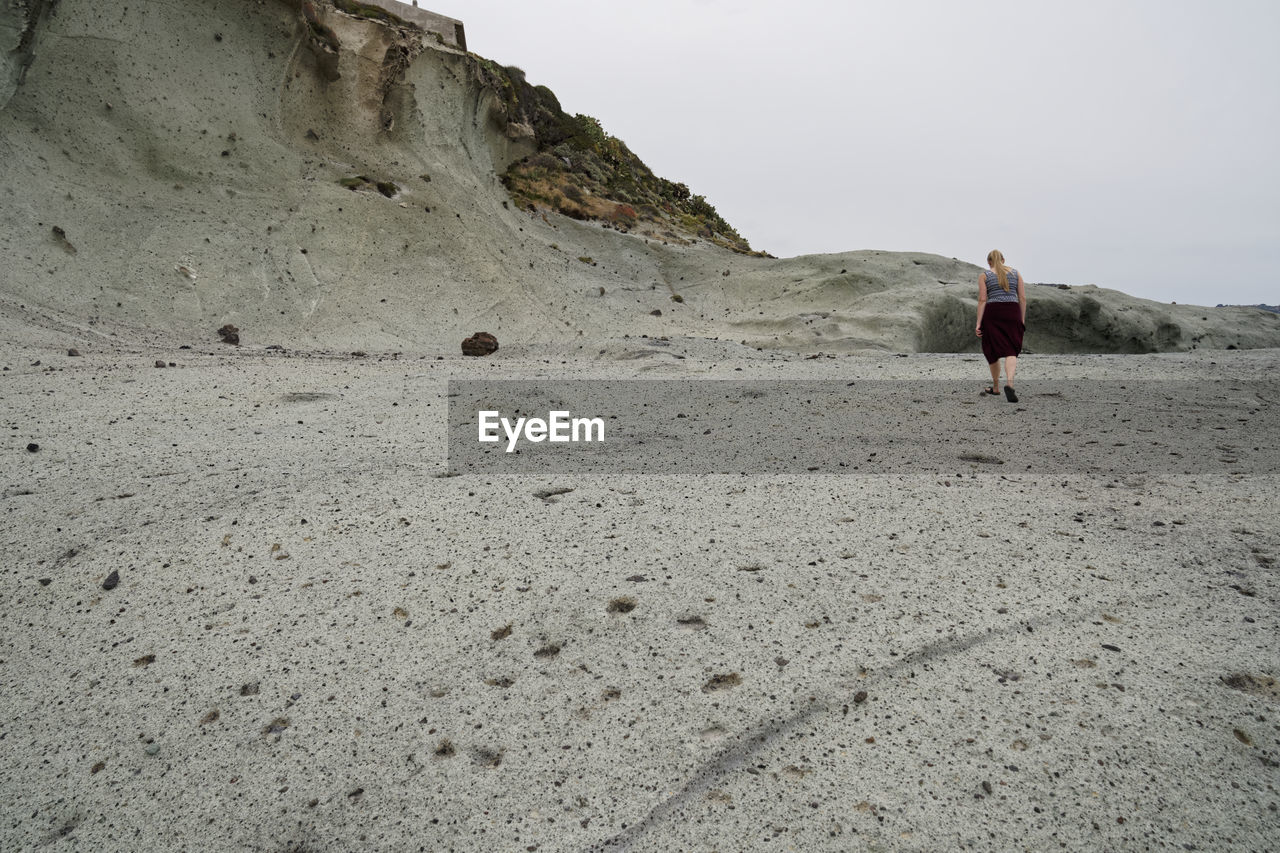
1130 144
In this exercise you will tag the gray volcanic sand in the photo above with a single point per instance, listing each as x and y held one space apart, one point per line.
319 641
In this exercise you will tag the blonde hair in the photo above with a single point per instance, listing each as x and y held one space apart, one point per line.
995 260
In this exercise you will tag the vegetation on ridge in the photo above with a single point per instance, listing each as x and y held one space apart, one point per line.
583 172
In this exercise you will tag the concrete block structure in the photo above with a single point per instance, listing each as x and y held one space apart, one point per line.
450 29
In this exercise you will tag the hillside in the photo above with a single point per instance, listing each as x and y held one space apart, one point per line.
323 179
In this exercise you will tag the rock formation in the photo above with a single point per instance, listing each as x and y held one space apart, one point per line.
335 180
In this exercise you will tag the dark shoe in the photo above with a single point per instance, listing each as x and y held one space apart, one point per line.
1008 392
990 390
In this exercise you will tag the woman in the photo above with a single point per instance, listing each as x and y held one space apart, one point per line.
1002 318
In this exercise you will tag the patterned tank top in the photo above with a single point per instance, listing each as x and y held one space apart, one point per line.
994 293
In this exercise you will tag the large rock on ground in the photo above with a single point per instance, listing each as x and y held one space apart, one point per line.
481 343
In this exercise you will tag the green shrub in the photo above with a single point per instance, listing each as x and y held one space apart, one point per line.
576 154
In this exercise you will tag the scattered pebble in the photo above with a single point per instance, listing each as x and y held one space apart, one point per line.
112 581
624 604
276 726
722 682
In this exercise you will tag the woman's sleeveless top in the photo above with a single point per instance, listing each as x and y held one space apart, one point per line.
995 293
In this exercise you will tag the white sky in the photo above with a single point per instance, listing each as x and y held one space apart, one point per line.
1130 144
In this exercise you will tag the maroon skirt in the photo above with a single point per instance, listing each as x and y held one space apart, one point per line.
1002 330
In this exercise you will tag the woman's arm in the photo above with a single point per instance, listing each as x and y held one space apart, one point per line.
982 302
1022 298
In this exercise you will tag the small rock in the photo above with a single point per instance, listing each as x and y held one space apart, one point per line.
480 344
722 682
276 726
45 581
548 651
32 447
250 689
548 494
159 363
61 236
860 697
229 334
656 312
152 749
112 581
73 352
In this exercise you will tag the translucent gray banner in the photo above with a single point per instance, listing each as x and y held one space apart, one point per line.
637 426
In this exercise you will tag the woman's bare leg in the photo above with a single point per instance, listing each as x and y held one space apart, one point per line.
995 375
1010 368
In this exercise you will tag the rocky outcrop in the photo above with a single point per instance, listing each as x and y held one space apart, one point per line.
19 20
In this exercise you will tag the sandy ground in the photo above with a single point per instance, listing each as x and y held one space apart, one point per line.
319 641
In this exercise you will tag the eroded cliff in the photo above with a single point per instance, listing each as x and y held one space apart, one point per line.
327 178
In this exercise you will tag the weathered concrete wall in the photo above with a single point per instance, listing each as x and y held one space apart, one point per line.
450 29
